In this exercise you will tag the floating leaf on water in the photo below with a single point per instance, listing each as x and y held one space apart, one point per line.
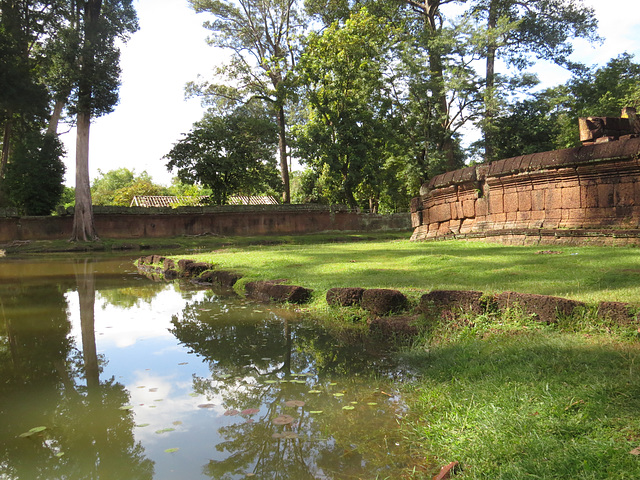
266 359
142 425
258 311
372 404
155 389
250 420
177 422
230 413
32 431
152 406
348 407
338 394
284 381
141 386
353 403
283 420
315 391
165 430
60 454
315 411
333 384
159 400
171 450
270 381
206 405
249 411
303 382
125 407
183 363
294 403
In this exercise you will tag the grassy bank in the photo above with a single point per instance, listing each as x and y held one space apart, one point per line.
503 395
589 274
526 401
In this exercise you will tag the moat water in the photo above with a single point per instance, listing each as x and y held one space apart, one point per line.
105 374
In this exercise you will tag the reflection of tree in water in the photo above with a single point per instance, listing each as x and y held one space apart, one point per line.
47 381
130 297
258 366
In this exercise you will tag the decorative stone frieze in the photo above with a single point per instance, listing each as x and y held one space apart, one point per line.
592 187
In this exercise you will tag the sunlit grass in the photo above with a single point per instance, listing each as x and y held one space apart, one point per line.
506 396
589 274
512 399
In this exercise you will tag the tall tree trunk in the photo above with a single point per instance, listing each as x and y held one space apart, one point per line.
83 224
429 9
489 94
282 147
6 147
52 129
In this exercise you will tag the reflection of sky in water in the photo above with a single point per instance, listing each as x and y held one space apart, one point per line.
147 359
135 336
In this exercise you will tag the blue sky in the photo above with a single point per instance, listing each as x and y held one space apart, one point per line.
170 49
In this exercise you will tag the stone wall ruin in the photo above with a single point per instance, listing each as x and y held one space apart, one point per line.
562 196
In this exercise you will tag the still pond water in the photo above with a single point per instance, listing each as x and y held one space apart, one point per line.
107 374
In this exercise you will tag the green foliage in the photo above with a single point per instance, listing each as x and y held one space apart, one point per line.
180 189
139 187
230 154
350 121
549 119
528 402
263 38
606 90
35 175
68 197
118 187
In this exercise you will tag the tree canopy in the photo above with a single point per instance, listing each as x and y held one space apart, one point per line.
230 154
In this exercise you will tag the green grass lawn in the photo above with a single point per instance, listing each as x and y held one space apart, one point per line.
507 397
518 404
589 274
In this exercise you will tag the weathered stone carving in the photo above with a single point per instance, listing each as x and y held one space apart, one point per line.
590 187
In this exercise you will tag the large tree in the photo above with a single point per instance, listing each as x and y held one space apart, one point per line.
231 154
433 35
520 32
34 179
350 117
549 119
262 36
102 22
26 29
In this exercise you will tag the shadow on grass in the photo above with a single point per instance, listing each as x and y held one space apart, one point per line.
530 405
580 273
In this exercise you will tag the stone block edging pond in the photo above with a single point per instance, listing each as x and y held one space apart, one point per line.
393 313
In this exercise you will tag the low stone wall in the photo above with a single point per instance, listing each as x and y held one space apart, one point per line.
592 191
123 222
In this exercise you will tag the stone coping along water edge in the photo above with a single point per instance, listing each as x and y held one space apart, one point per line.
393 314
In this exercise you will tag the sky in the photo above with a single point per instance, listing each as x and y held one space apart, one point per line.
170 50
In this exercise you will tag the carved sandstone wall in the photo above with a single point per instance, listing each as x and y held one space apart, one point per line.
590 189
